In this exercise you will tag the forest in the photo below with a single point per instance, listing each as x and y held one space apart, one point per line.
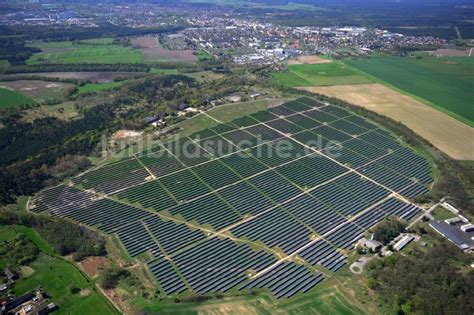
31 153
419 18
428 282
62 235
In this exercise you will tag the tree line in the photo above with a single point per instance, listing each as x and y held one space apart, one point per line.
77 67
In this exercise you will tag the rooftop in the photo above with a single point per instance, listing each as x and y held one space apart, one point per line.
463 240
403 242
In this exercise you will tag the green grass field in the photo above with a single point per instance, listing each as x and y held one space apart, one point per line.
228 112
334 73
57 277
202 55
68 52
4 64
37 90
51 45
35 238
439 213
324 300
9 98
100 41
222 113
445 83
155 70
97 87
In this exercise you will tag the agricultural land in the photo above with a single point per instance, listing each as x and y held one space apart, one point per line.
70 53
151 50
11 98
444 82
405 89
451 139
326 73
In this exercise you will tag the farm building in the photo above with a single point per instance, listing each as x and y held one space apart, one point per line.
467 228
450 207
373 245
234 98
453 220
461 237
10 274
151 119
404 241
18 301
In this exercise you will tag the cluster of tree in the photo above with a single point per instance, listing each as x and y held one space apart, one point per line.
68 165
122 41
72 33
208 65
429 282
13 77
404 50
423 19
18 251
65 237
31 152
14 50
20 140
387 230
456 181
77 67
442 32
167 87
68 238
110 277
197 298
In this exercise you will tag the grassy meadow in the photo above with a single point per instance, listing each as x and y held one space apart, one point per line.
98 41
4 64
202 55
333 73
156 70
97 87
327 298
10 98
97 51
444 83
38 90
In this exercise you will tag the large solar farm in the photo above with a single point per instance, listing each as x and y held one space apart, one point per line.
246 212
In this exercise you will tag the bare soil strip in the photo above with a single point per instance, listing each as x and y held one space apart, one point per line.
449 52
446 133
308 60
152 51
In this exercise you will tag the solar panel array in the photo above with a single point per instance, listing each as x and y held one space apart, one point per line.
244 213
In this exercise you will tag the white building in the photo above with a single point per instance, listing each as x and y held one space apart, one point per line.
370 244
404 241
467 227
